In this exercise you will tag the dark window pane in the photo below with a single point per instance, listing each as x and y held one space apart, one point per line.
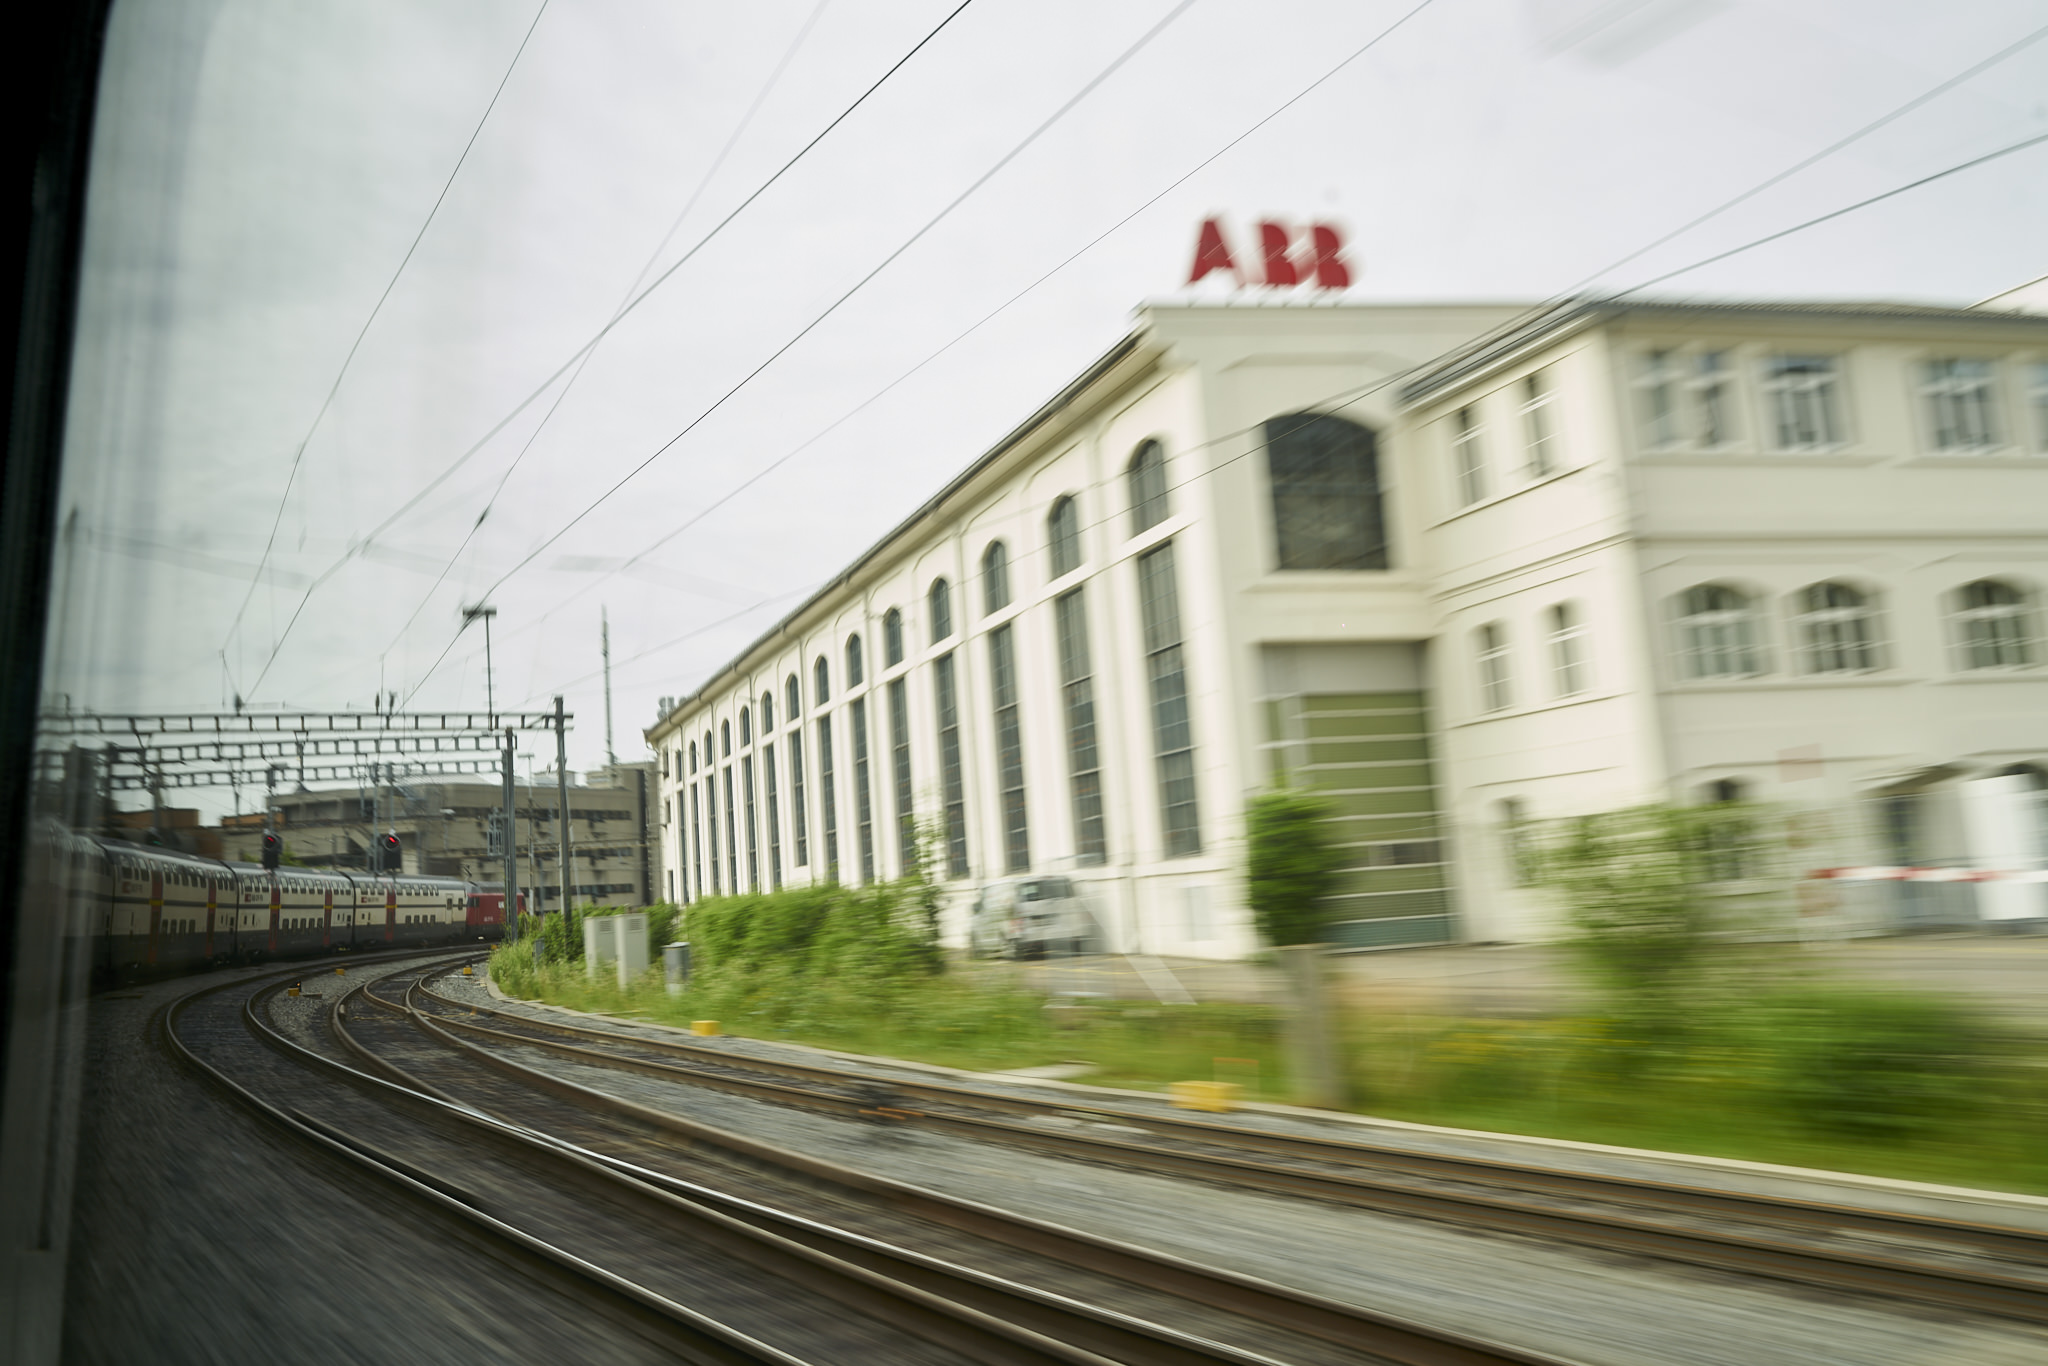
940 601
1328 511
953 791
863 803
1063 536
899 748
1002 664
1166 669
1148 487
995 577
1084 765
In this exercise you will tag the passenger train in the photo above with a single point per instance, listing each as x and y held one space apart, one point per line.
159 912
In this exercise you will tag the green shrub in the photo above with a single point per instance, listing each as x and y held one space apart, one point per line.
1291 865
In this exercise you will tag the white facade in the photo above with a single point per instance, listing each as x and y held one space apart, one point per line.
1410 659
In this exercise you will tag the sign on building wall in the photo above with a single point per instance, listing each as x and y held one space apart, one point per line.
1286 259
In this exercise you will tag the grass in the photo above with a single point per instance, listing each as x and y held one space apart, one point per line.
1816 1075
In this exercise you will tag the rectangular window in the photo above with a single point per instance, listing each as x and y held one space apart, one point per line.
1469 457
774 816
1710 393
1961 398
1084 764
1657 399
1567 649
1002 669
952 790
899 754
732 838
1172 733
1802 395
799 827
1495 690
747 797
828 799
863 800
695 876
1539 428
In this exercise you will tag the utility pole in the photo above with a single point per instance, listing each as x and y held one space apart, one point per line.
605 639
470 614
510 847
562 805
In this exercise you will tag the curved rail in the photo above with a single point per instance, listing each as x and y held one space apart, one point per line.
1497 1195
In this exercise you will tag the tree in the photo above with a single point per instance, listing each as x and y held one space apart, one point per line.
1292 865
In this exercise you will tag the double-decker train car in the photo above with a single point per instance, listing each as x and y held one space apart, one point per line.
158 912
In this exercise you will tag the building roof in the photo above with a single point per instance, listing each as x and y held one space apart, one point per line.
1017 435
1548 322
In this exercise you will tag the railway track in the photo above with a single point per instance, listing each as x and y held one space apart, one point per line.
1973 1267
423 1124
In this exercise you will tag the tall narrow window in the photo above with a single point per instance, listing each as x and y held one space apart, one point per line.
1147 475
892 639
799 823
1962 405
952 791
792 702
697 842
711 830
1002 668
725 739
939 604
821 682
1805 405
1717 633
863 789
1084 763
1710 391
1567 632
1994 625
747 797
1172 731
732 837
995 578
1539 426
828 799
693 756
1496 690
1657 399
1469 455
854 672
899 754
1835 628
1063 536
746 726
774 815
767 715
1328 509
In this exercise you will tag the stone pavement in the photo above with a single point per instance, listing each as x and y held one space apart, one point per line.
2005 973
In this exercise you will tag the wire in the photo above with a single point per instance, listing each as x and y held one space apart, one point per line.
858 285
299 455
568 364
703 183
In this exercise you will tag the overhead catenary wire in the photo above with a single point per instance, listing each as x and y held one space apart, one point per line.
703 183
574 357
1805 163
1337 402
299 454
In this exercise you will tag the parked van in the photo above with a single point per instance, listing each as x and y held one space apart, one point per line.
1029 917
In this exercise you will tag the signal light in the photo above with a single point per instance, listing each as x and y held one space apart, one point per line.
390 862
273 850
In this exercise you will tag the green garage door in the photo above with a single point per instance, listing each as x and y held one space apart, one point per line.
1368 752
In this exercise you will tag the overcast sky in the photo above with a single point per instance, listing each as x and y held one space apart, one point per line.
262 169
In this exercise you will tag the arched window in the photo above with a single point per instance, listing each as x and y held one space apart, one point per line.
1836 628
725 738
892 638
746 726
854 672
707 747
940 601
821 682
767 712
995 577
1328 512
792 699
1063 535
1496 689
693 756
1567 632
1717 633
1994 625
1147 474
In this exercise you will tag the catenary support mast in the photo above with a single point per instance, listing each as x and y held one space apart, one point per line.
562 805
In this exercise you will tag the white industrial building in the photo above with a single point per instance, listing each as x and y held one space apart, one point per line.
1460 566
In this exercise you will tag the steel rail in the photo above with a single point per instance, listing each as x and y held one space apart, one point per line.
986 1317
1496 1204
694 1337
1386 1336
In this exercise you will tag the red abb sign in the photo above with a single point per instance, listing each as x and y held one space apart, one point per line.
1315 257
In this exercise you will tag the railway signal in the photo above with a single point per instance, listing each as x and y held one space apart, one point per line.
388 848
273 850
